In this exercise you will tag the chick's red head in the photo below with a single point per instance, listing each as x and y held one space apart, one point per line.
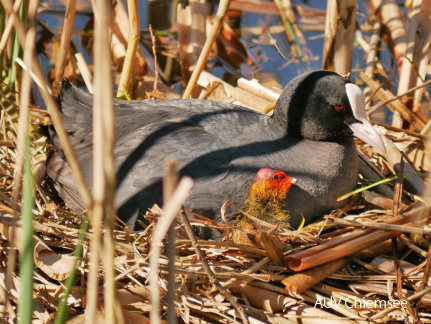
274 182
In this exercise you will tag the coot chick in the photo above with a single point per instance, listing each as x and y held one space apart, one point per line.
267 199
222 147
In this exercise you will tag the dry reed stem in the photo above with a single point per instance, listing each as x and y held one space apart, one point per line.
397 97
335 241
156 66
85 71
191 21
339 251
374 46
120 28
395 210
297 312
398 190
23 118
427 271
226 262
253 86
396 129
392 21
170 181
8 28
339 36
126 78
391 309
304 280
385 227
371 58
338 247
221 13
170 210
407 61
422 47
104 172
394 105
66 36
350 313
259 265
415 185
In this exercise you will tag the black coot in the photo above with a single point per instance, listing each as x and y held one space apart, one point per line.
222 147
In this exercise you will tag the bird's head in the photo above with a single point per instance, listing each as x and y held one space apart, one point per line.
271 183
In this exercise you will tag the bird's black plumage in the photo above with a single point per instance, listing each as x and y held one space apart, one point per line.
221 146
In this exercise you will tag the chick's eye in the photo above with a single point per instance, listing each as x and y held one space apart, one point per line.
275 177
339 107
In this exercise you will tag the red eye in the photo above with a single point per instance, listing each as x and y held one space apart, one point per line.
339 107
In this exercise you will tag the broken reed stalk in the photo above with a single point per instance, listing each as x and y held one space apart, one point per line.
339 36
221 13
212 278
304 280
103 172
64 50
132 44
346 245
156 67
170 210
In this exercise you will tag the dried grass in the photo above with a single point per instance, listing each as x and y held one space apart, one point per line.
266 289
250 276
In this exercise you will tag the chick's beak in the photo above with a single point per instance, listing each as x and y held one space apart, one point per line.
363 128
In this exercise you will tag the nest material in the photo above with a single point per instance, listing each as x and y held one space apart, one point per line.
256 275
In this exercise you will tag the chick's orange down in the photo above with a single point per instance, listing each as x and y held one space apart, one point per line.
266 199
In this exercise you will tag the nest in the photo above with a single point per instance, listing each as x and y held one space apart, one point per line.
363 266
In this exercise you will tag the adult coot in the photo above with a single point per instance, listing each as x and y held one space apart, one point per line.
222 147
